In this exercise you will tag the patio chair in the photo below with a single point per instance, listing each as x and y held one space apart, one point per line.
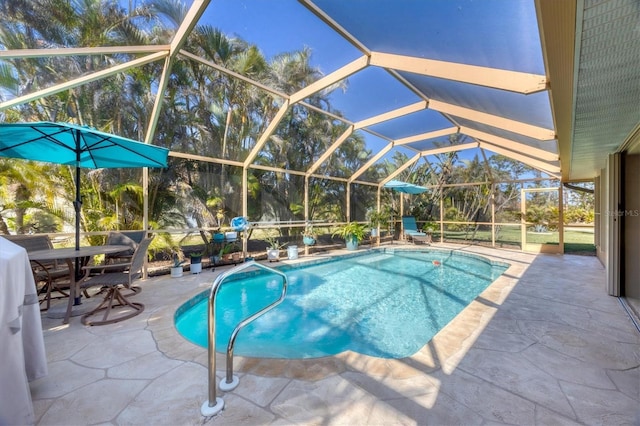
51 276
114 277
127 238
411 231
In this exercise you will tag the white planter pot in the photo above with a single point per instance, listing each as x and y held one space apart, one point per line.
374 232
352 244
292 252
176 271
231 236
273 255
196 268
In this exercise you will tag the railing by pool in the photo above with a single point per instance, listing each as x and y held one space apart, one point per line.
215 404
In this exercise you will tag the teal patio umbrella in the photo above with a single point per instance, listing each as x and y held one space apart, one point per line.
79 146
404 187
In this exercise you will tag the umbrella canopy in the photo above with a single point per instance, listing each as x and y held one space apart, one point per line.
79 146
404 187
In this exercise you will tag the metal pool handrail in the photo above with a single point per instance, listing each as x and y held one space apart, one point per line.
214 405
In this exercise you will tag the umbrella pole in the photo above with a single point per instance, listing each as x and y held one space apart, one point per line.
77 205
401 214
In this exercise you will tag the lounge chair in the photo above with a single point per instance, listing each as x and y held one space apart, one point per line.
411 231
114 277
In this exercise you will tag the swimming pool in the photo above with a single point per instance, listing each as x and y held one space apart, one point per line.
385 303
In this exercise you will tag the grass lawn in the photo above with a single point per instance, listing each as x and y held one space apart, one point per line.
576 240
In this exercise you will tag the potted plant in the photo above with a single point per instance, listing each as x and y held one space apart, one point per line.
352 232
308 235
225 252
273 249
377 220
235 253
429 228
176 269
196 262
218 237
214 255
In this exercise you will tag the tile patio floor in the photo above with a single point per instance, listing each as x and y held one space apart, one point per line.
544 344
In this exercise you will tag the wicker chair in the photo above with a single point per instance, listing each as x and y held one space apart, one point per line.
115 306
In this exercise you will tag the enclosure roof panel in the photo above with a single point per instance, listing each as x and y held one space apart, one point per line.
539 77
420 122
532 108
488 33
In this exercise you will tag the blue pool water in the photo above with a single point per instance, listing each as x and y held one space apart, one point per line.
380 304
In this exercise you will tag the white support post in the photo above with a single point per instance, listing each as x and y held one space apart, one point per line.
493 215
306 209
441 219
348 192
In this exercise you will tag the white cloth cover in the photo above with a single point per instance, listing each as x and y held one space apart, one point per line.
22 354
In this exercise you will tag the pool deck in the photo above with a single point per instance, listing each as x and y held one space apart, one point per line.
544 344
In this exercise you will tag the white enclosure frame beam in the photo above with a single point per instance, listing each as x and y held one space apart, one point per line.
335 25
334 77
343 137
157 104
519 127
82 80
550 169
418 106
267 134
510 144
82 51
188 23
512 81
205 159
400 169
276 170
369 163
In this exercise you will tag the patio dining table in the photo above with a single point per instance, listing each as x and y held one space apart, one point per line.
81 257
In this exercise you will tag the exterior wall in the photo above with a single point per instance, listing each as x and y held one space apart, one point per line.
631 231
622 268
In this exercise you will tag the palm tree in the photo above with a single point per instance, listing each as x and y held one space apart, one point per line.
26 185
119 103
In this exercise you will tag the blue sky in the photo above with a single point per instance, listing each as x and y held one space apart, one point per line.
281 26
